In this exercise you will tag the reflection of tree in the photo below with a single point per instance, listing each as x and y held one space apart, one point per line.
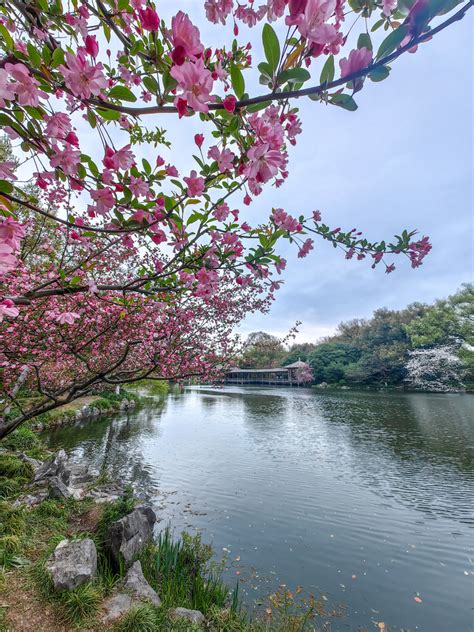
114 447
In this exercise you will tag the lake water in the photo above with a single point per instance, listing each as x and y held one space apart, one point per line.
365 498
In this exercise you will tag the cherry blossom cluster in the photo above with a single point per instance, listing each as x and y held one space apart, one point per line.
102 230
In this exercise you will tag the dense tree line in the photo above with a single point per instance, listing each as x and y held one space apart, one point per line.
377 351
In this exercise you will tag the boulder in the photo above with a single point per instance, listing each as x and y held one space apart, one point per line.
137 585
194 616
116 606
128 535
55 466
57 489
80 474
73 563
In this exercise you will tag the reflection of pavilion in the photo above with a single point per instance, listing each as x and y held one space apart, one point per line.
281 376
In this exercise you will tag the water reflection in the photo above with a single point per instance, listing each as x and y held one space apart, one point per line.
314 488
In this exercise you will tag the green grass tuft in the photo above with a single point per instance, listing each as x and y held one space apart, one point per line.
22 439
142 618
12 467
80 605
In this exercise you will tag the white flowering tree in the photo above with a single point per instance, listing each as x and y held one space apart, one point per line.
435 369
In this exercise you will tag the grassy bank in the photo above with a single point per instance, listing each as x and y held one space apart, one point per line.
181 570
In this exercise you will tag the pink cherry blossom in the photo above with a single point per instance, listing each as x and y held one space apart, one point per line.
223 158
229 103
8 261
25 86
264 162
122 159
81 77
221 212
196 184
7 308
286 221
185 38
58 125
91 45
149 19
6 88
305 248
195 81
67 159
104 199
218 10
7 170
358 58
67 318
138 186
11 232
312 20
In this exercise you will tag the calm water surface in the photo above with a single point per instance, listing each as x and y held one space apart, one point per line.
365 498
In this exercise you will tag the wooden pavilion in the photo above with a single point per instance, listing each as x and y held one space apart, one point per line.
281 376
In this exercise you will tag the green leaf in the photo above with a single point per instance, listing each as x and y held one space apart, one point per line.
146 166
150 84
364 41
108 115
57 58
271 46
7 38
294 75
377 25
34 55
327 73
91 117
5 186
344 101
392 41
256 107
122 93
380 73
444 6
238 82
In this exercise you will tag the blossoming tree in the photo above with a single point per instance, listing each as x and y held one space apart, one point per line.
145 270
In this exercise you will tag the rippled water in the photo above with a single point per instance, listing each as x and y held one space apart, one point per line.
365 498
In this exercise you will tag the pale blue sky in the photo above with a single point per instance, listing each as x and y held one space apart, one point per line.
404 159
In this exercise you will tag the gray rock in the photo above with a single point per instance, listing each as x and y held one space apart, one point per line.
106 493
80 474
128 535
30 500
35 464
194 616
73 563
55 466
57 489
136 583
116 606
124 404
